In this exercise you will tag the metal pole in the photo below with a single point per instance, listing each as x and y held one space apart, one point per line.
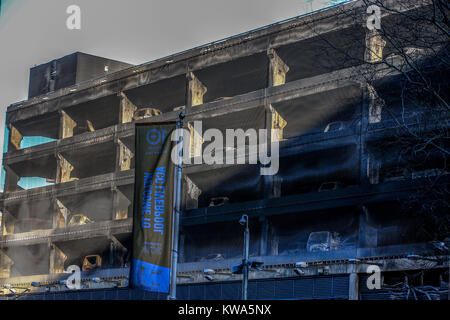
245 260
177 209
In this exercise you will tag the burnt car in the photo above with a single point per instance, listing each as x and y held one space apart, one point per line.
144 113
323 241
79 220
91 262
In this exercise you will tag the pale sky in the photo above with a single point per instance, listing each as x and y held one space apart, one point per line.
33 32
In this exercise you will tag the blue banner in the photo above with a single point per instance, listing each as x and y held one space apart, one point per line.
153 208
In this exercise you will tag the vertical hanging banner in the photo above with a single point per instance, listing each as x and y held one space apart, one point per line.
153 207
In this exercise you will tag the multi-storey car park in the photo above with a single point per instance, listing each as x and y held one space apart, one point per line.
332 210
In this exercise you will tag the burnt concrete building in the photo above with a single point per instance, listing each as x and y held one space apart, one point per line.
333 209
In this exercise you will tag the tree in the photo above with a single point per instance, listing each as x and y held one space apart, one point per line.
404 63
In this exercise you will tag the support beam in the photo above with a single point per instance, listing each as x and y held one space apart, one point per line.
274 187
116 242
196 90
277 69
125 156
373 169
264 239
11 179
363 128
67 124
181 246
353 286
90 126
376 104
272 183
64 170
118 252
5 265
196 141
57 259
374 46
121 205
61 216
277 125
127 109
8 223
112 255
15 137
367 234
191 193
273 242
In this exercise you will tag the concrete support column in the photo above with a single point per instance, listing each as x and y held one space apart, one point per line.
196 141
277 69
64 170
61 217
125 156
273 183
5 265
372 106
353 287
15 138
374 46
264 239
118 252
181 246
8 223
196 91
120 205
376 105
277 124
57 259
127 109
67 124
191 193
362 147
11 179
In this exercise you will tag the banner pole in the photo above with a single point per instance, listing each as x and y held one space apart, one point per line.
176 217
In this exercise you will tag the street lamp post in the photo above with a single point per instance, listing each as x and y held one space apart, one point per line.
244 222
246 264
176 216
